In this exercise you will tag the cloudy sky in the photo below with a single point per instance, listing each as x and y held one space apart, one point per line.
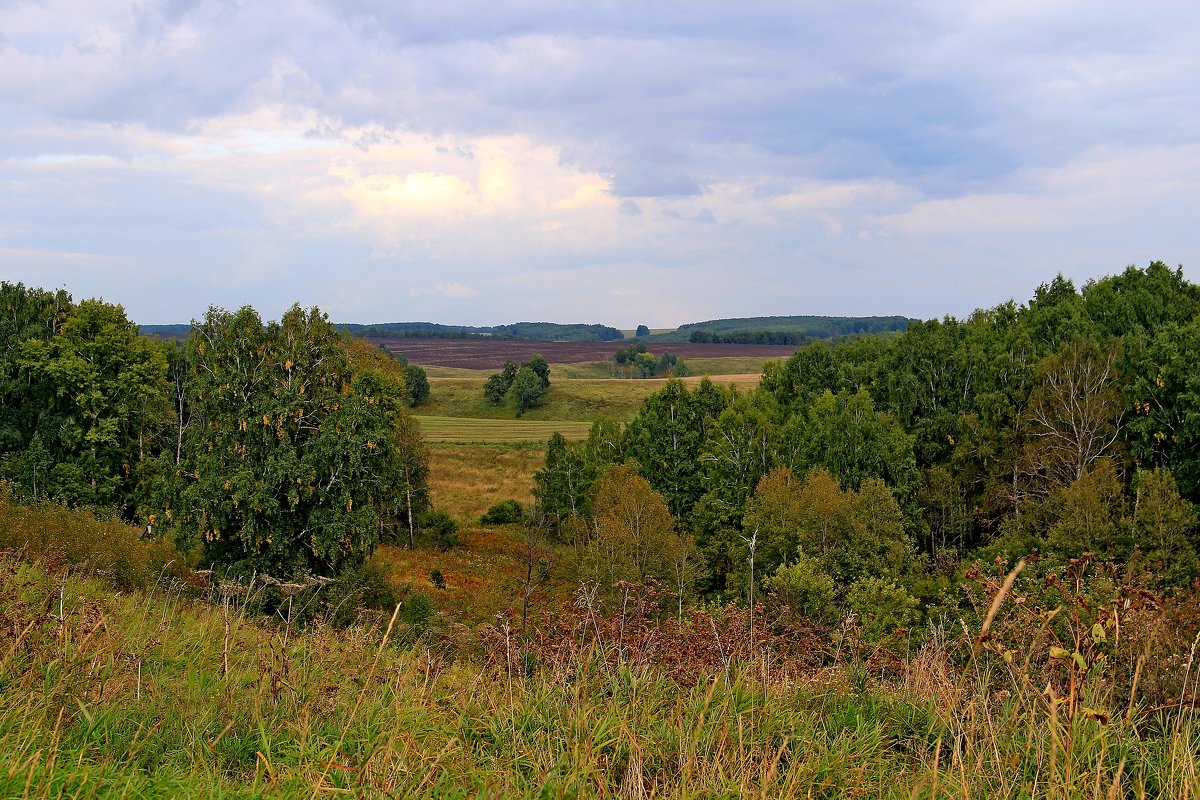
625 163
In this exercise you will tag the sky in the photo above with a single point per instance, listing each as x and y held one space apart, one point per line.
624 163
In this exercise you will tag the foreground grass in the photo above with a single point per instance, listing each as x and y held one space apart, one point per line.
135 695
134 684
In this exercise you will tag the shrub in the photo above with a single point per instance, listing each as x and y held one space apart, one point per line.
805 589
881 606
506 512
441 528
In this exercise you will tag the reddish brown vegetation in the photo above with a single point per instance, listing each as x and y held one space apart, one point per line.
492 353
637 630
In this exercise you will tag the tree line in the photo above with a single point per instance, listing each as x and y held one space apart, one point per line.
283 447
864 475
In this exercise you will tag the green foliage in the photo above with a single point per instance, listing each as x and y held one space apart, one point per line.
27 314
410 491
417 612
846 435
881 606
632 537
497 385
506 512
738 450
642 330
523 386
563 485
417 384
849 534
290 459
667 437
526 391
100 403
440 528
643 364
805 589
623 355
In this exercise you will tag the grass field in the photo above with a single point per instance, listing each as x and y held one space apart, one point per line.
468 480
568 400
467 430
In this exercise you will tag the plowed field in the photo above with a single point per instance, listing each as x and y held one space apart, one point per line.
489 354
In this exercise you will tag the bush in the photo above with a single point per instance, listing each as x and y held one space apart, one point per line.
441 528
417 612
506 512
805 589
437 578
881 607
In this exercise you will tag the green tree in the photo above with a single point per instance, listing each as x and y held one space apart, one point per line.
537 362
1163 397
667 437
846 435
1164 527
27 314
526 391
1074 413
642 330
805 589
104 404
291 459
562 485
417 384
497 385
411 498
738 451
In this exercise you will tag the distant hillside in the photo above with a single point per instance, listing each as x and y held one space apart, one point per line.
166 331
538 331
779 330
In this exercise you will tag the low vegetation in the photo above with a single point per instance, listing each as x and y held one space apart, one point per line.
188 693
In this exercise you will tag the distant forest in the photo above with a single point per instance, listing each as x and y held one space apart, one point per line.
780 330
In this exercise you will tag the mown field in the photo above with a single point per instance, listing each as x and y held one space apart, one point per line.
460 430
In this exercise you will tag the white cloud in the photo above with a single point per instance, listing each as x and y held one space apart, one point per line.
455 291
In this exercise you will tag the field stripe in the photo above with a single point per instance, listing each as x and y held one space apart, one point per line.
466 430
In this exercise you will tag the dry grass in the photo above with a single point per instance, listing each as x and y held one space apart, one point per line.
466 481
483 575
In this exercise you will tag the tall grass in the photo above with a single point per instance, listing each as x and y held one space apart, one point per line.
155 695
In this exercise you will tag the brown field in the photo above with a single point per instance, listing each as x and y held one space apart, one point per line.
491 354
